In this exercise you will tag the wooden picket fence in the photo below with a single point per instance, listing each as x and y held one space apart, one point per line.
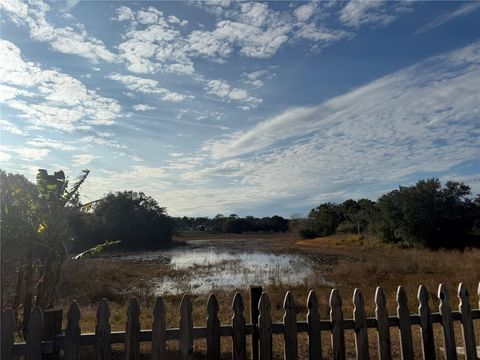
260 329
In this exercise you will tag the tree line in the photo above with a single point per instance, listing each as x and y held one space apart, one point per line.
425 214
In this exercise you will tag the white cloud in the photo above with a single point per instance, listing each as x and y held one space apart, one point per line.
53 99
7 126
66 40
305 12
26 153
224 91
362 12
463 10
148 86
83 159
41 142
104 141
143 107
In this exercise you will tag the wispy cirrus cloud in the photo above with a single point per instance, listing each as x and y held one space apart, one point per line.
462 10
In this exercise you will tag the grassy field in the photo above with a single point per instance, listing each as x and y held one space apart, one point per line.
353 262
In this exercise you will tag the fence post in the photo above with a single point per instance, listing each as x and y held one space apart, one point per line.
314 334
265 328
447 323
336 317
34 335
361 330
8 334
255 294
426 328
52 326
132 333
103 331
404 326
290 328
186 329
239 348
72 333
159 335
467 323
383 330
213 329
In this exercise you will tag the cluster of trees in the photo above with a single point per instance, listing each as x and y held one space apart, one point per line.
233 224
426 213
42 223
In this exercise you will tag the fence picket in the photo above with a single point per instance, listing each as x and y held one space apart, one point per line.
186 329
8 334
132 333
265 327
467 323
290 328
102 331
159 335
213 329
72 333
447 323
383 330
313 321
426 328
361 330
336 317
404 326
34 335
239 344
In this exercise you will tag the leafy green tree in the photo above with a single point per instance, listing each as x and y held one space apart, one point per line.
134 218
326 218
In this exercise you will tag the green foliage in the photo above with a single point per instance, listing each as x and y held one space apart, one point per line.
326 218
134 218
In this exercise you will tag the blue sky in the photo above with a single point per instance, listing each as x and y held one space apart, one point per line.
241 107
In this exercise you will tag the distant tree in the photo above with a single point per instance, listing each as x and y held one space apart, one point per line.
427 214
326 218
358 213
134 218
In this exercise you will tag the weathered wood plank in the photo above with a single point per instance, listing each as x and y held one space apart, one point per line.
72 333
132 332
383 329
467 323
314 333
255 293
404 326
34 335
361 330
8 334
290 328
52 326
426 327
336 318
239 344
186 329
447 323
213 329
103 331
159 334
265 328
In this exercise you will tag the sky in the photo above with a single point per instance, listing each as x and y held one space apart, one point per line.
253 108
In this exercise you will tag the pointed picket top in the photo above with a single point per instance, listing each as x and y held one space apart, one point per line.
467 323
383 329
103 331
314 334
290 328
159 337
72 332
265 327
403 314
426 328
361 330
186 329
34 335
213 329
336 317
133 307
132 335
7 334
239 348
447 322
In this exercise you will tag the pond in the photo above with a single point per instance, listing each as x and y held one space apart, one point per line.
203 266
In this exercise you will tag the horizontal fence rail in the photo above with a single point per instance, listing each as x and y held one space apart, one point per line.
260 329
